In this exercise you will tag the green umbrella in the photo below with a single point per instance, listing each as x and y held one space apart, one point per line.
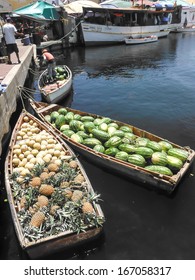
39 11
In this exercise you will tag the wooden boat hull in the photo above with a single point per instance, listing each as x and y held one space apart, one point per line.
144 40
149 179
52 243
59 92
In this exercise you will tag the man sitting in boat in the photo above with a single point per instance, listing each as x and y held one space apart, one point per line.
51 64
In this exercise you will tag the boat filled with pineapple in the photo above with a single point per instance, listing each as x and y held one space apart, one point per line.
119 147
52 202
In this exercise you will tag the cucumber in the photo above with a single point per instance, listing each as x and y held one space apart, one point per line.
159 169
178 153
137 160
159 158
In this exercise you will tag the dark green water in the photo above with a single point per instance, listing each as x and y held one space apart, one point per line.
152 87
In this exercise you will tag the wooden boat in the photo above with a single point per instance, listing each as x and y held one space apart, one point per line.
141 40
150 179
38 197
56 91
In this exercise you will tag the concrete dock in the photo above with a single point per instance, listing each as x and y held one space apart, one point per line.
11 78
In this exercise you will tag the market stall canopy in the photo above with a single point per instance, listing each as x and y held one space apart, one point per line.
38 11
5 6
76 7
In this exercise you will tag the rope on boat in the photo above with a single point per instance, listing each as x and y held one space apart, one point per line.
25 93
49 44
71 30
21 97
34 72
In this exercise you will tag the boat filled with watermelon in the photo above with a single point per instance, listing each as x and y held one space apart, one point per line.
58 89
120 147
52 202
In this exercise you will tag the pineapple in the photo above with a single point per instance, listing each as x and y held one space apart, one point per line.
77 195
79 179
68 193
64 185
87 208
37 219
23 202
44 175
43 200
52 167
53 209
46 189
35 182
73 164
34 208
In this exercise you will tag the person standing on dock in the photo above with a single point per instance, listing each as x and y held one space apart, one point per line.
9 32
49 58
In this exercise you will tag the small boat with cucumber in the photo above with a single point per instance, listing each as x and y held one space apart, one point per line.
119 147
52 202
58 89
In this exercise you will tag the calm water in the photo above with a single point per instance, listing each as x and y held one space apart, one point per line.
152 87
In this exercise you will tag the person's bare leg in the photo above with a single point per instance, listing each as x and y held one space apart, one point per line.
17 54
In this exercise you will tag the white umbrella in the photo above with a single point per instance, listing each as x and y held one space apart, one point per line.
76 7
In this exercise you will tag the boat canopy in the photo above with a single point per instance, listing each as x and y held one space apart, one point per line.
39 11
116 4
76 7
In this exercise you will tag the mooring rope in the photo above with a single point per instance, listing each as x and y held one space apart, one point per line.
67 34
25 93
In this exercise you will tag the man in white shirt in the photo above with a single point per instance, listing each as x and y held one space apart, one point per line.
9 31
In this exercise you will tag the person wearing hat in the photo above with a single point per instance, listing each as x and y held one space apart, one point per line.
49 58
9 32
